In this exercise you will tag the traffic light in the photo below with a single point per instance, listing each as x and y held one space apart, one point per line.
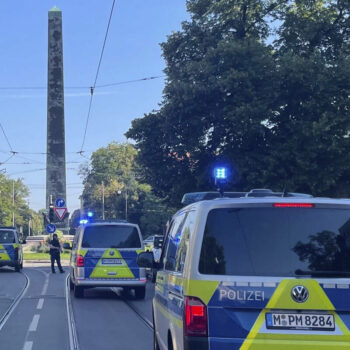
51 213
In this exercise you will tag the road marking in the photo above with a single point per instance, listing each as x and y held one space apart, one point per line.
28 345
34 325
46 285
40 304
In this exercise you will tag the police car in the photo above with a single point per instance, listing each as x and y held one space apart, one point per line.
11 253
261 271
104 254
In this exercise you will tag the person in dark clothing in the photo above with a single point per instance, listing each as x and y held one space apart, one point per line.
55 253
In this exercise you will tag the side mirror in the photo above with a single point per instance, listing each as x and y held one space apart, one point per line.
66 245
146 259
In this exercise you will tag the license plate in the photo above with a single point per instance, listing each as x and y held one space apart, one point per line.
112 262
313 322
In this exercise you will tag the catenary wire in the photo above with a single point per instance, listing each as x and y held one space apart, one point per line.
97 74
123 82
6 138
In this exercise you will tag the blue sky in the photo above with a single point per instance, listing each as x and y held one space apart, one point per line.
132 52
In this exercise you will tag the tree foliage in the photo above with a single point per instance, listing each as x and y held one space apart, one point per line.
113 170
13 199
261 85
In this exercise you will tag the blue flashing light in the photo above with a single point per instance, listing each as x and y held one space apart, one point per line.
83 221
220 173
90 214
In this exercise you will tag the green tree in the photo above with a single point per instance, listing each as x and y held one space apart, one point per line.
220 90
113 171
13 200
260 85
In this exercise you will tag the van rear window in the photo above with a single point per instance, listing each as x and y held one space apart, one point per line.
7 237
269 241
111 236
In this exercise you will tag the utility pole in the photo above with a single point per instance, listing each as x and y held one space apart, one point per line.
103 200
13 202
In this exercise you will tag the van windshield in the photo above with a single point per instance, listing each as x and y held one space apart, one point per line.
111 236
269 241
7 237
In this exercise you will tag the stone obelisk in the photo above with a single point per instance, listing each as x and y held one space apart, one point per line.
56 155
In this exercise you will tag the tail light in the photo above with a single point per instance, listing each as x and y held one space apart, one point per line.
195 318
80 261
293 205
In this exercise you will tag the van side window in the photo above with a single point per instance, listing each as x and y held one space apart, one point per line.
173 242
187 230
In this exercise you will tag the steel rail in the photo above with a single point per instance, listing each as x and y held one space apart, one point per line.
147 322
73 337
4 318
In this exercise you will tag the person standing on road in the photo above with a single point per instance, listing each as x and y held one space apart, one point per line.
55 253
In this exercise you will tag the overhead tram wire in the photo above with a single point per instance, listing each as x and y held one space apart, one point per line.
124 82
96 77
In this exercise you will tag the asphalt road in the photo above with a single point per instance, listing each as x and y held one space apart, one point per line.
104 319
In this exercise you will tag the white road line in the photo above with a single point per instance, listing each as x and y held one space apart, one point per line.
45 286
28 345
34 325
40 304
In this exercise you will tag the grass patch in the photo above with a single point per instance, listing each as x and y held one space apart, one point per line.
43 256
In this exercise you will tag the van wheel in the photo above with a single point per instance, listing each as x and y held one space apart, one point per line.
155 340
170 343
78 291
154 276
140 292
18 268
71 284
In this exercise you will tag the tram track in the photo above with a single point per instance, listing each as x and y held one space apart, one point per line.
132 307
4 318
73 337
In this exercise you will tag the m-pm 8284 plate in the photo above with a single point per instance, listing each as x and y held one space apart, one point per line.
303 321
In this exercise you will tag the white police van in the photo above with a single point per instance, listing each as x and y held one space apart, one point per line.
11 252
263 271
104 254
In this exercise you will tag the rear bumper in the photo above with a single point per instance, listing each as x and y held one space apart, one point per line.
109 283
268 344
196 343
8 263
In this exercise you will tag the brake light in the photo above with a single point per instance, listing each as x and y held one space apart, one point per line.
195 318
293 205
80 261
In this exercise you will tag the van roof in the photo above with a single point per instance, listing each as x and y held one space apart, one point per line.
261 200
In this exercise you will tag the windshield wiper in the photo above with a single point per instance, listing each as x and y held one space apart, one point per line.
299 272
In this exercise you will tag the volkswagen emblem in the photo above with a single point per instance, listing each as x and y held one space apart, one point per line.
300 294
112 252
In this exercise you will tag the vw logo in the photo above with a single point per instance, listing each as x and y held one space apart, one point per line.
300 294
112 252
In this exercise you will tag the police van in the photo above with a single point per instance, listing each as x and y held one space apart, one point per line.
263 271
11 253
104 254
